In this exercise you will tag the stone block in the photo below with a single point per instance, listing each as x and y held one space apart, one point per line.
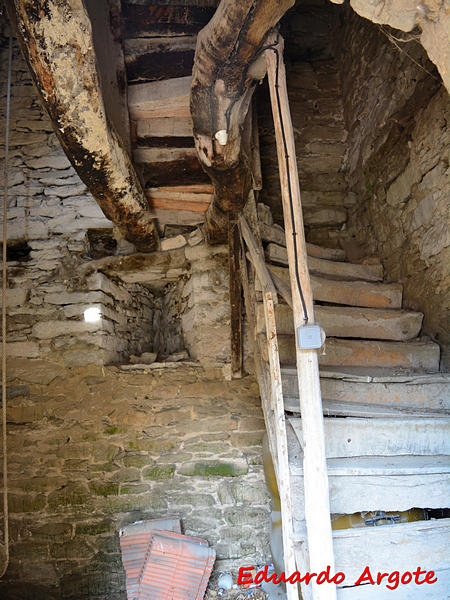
22 349
72 494
104 488
172 243
214 468
46 330
156 472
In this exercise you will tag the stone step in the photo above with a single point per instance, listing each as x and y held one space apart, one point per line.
362 391
387 549
350 293
351 322
275 234
416 354
339 270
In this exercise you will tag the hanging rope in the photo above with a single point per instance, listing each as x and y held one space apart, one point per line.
4 287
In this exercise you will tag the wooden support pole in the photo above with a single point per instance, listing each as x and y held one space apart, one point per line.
317 503
234 247
282 459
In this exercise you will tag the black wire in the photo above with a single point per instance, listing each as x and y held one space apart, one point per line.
286 155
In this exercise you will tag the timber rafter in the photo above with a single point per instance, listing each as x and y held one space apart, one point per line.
57 42
227 66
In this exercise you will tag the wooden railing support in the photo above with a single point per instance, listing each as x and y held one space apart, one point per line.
317 503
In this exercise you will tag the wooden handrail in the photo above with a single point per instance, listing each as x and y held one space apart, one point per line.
317 503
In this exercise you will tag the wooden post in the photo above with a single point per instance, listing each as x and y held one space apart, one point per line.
282 459
317 503
234 247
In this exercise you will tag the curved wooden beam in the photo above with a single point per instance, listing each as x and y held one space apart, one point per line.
56 39
226 69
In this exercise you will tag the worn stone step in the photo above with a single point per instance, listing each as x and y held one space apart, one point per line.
339 270
350 293
362 391
351 322
416 354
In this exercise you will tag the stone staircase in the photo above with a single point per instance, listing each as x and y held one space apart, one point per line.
159 49
386 412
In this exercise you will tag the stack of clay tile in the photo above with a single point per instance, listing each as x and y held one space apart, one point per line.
162 564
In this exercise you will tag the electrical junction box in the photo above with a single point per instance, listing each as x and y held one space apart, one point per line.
310 337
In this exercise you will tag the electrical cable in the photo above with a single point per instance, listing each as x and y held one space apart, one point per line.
239 93
4 288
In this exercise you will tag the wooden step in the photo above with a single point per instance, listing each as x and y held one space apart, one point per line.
163 127
351 322
400 547
187 171
275 233
338 270
168 98
162 155
166 199
415 354
350 293
360 391
154 58
352 437
148 20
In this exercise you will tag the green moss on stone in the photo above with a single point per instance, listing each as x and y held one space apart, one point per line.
104 488
214 469
160 472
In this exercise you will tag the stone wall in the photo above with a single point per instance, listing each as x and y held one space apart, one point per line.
397 115
94 448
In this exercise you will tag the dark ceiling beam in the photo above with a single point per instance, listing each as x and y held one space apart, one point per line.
226 69
57 41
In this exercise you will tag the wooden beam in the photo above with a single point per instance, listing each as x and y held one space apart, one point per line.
198 206
58 45
317 503
234 248
225 72
164 127
257 259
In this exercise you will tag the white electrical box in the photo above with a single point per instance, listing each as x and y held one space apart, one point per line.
310 337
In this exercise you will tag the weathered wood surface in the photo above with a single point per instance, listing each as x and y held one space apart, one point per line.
236 342
397 393
223 79
316 491
356 548
145 20
351 437
157 99
415 354
153 58
350 293
381 483
59 48
162 155
437 591
186 171
167 203
340 270
162 127
282 457
177 217
353 322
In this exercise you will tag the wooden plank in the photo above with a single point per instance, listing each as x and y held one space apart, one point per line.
350 293
398 397
282 458
317 505
382 437
340 270
255 153
159 155
177 217
436 591
394 548
187 171
380 483
154 58
234 248
181 193
257 259
146 20
353 322
275 234
168 98
174 204
415 354
164 127
326 253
